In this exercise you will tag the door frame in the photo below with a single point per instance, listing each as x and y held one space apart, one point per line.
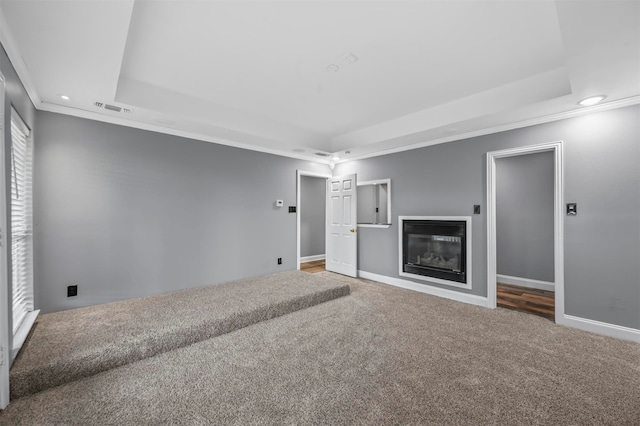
5 305
558 220
300 173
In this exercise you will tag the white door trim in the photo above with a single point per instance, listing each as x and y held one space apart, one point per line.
558 219
5 306
298 174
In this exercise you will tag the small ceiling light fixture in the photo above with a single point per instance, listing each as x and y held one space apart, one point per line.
592 100
333 67
65 97
336 158
350 58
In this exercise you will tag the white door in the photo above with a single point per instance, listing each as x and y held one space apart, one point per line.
342 241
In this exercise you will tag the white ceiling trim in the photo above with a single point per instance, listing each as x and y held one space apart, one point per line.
634 100
538 88
45 106
9 44
164 101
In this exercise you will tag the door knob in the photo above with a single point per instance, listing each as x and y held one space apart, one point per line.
352 230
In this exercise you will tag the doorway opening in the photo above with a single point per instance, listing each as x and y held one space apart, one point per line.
311 220
530 278
524 233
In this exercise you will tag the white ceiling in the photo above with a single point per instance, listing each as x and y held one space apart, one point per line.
256 74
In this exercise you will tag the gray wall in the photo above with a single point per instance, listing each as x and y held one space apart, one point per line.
123 212
602 174
524 216
16 97
366 203
312 215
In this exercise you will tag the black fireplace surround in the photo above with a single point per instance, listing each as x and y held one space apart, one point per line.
435 248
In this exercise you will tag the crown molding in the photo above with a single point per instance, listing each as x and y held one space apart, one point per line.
9 45
621 103
45 106
121 121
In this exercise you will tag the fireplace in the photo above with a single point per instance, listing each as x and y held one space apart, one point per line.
436 249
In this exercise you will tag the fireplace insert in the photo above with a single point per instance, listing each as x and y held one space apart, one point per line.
435 248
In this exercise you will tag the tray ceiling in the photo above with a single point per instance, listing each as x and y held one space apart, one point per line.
296 78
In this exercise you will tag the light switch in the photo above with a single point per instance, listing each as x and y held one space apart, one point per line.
279 203
572 209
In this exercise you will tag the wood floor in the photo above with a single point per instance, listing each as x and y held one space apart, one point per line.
530 300
313 266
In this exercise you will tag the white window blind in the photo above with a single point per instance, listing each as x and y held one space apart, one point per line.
21 221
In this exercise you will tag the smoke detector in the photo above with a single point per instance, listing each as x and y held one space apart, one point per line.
113 108
350 58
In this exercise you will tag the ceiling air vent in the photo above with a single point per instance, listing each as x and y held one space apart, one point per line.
321 154
113 108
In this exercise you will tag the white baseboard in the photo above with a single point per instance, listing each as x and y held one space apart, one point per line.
425 288
526 282
598 327
312 258
23 331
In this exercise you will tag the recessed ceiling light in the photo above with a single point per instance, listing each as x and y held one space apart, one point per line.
336 158
333 67
350 58
592 100
65 97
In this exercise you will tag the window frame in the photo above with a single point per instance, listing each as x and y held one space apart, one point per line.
21 199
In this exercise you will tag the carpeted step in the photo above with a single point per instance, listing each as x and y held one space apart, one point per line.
69 345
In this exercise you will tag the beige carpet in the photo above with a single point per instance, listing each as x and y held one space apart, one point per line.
380 356
69 345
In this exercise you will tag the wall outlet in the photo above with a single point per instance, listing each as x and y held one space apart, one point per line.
279 261
72 290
